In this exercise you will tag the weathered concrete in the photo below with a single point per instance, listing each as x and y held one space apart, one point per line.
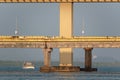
61 42
65 69
47 59
47 56
88 60
60 69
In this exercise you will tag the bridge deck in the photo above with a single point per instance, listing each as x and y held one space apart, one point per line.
59 42
59 39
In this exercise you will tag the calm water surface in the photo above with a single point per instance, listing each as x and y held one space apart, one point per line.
17 73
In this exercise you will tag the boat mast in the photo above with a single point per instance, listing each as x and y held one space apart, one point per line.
83 27
16 30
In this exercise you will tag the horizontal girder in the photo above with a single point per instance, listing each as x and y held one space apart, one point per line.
59 42
55 1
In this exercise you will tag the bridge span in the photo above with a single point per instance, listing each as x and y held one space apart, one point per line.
48 43
59 42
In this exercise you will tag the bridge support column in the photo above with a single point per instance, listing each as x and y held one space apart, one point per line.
47 60
47 56
66 30
88 60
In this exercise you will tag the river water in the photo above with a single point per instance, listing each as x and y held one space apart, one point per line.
17 73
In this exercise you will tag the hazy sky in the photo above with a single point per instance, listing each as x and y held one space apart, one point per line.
101 19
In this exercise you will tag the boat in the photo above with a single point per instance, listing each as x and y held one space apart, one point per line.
28 65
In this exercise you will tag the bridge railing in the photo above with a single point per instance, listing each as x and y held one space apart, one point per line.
53 38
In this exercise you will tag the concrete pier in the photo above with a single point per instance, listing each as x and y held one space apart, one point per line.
65 69
88 60
47 60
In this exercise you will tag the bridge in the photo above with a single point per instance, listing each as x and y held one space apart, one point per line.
66 41
59 42
48 43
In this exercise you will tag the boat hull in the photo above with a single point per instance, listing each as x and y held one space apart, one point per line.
30 67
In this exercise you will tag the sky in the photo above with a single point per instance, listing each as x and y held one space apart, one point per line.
101 19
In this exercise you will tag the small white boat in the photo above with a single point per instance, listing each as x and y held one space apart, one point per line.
28 65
